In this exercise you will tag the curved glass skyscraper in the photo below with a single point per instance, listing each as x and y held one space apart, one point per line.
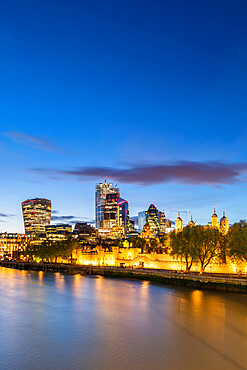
36 215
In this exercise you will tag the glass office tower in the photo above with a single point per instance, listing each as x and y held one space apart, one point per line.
152 218
106 205
36 215
141 220
110 210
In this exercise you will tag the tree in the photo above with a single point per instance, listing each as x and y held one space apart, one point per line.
153 244
223 247
119 243
138 242
164 241
205 242
50 250
43 251
238 241
67 247
183 247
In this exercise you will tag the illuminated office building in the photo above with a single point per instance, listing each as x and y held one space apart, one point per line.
162 223
111 211
36 215
106 205
13 245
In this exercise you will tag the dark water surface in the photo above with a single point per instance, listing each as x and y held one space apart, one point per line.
54 321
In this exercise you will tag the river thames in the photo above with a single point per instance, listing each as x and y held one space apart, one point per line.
51 321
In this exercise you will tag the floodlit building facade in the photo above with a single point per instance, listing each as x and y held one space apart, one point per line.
224 224
36 215
214 220
12 245
179 223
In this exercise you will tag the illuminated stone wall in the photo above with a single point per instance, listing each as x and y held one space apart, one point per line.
132 257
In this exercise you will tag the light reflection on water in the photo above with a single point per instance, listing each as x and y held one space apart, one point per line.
53 321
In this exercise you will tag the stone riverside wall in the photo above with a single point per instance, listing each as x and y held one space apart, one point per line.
131 257
226 283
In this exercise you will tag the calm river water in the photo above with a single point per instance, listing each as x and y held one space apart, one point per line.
54 321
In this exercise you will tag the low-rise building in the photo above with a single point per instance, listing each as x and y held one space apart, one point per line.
13 245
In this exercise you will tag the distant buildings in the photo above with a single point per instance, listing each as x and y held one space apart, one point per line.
85 232
223 226
112 220
36 215
141 220
58 232
157 221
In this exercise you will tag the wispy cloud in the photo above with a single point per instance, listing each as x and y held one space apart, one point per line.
33 141
4 216
185 172
69 219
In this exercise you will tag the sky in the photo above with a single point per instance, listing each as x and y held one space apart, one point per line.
151 94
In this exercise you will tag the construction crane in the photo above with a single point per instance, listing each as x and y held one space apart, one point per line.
187 212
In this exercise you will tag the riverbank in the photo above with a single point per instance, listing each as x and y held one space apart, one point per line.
227 283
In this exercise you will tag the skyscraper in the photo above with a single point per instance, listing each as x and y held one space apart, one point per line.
141 220
106 205
36 215
162 222
110 209
152 218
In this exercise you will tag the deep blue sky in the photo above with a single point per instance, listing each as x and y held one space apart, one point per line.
151 94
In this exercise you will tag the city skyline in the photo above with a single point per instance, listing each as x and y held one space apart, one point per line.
153 97
53 217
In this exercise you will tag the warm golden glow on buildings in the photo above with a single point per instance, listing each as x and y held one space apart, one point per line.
147 232
179 223
191 223
214 220
133 258
12 245
224 224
